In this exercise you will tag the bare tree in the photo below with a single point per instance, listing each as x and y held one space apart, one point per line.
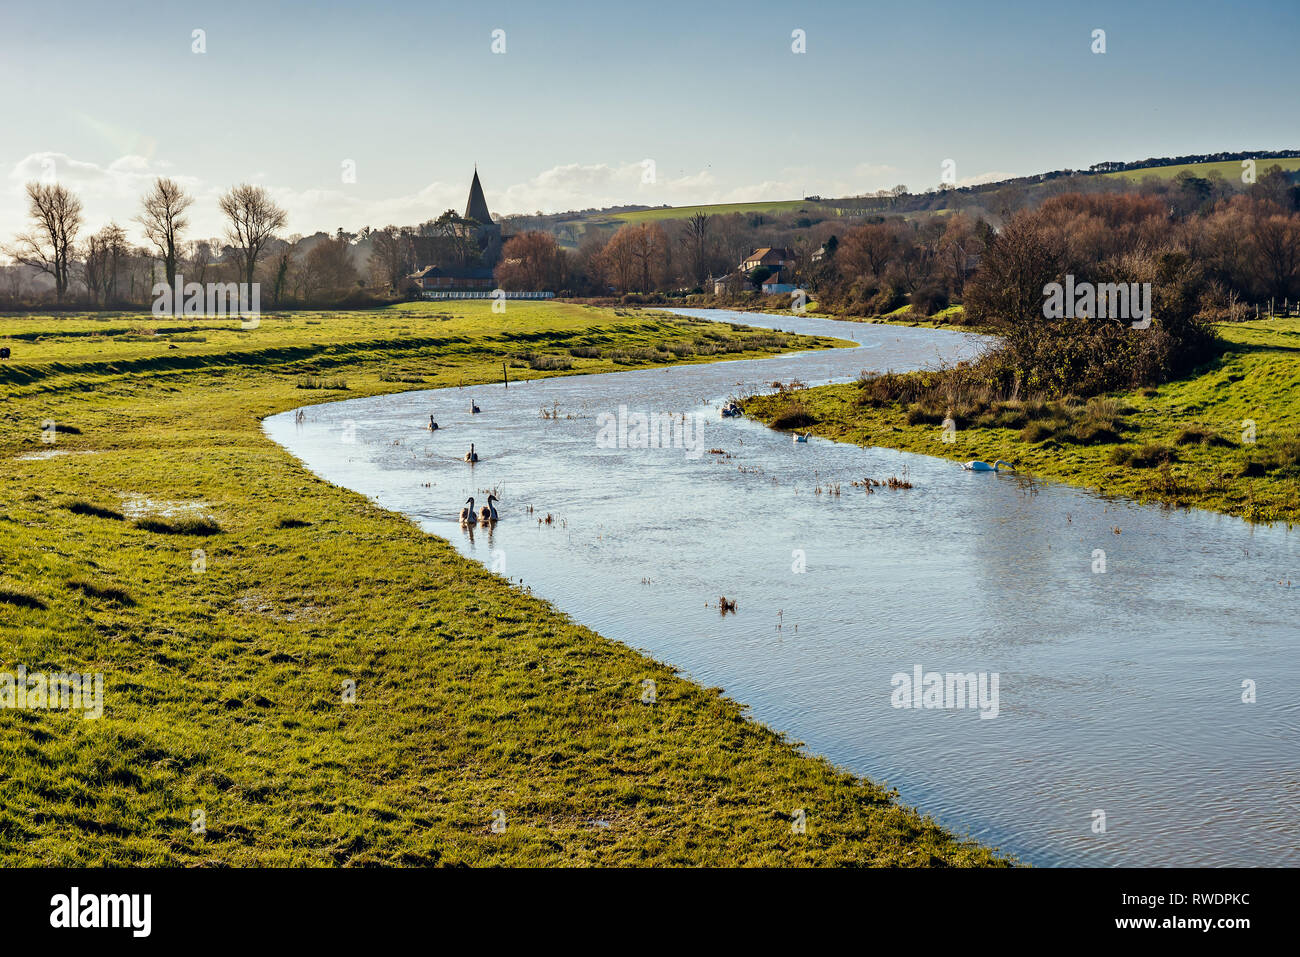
48 247
389 257
163 219
695 237
101 257
254 219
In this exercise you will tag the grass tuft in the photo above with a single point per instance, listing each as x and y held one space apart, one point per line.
185 525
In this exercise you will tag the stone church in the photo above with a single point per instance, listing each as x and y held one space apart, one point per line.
488 236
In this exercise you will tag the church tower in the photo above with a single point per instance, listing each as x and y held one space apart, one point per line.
487 233
477 208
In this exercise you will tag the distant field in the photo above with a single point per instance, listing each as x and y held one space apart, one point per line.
1229 169
719 209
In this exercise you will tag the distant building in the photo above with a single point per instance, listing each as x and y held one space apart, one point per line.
773 286
437 279
486 232
453 278
773 257
731 284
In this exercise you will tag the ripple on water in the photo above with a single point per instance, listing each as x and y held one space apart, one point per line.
1119 692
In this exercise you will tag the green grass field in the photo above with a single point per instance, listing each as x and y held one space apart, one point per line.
1229 170
229 598
1186 444
719 209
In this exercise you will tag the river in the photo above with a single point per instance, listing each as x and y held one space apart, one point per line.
1118 734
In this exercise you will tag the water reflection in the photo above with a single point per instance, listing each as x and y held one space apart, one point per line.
1119 691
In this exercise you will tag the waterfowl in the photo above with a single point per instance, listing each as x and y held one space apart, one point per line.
471 455
975 465
433 426
473 408
488 513
467 512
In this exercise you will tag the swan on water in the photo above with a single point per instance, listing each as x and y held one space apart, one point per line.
473 408
488 513
467 512
975 465
471 455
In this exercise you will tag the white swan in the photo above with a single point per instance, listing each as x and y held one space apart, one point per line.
488 513
471 455
975 465
467 512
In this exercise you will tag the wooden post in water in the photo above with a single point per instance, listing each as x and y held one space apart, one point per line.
505 375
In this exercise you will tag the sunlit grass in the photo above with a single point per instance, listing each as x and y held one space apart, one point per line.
1225 439
227 656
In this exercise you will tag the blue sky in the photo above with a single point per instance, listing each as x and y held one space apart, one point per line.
107 96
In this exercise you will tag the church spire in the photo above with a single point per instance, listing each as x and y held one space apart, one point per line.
477 208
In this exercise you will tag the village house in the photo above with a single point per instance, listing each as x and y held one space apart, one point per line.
437 279
776 258
773 286
731 284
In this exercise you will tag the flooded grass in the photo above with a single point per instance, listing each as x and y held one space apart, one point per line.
224 681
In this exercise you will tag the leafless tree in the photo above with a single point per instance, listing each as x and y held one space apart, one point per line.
389 257
101 257
163 219
695 239
48 246
254 219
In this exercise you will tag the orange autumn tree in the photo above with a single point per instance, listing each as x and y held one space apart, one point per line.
531 262
637 259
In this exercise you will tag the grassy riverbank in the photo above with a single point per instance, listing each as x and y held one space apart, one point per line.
1187 443
225 671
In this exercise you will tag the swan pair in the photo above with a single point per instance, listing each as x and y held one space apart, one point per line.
486 515
975 465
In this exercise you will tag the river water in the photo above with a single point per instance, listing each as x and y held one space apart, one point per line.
1118 733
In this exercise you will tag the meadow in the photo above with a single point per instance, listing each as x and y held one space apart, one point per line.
1228 169
1223 439
294 676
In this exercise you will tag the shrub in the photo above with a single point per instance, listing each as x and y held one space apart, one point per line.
1147 456
187 525
1199 435
793 415
928 300
1037 432
322 382
105 592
